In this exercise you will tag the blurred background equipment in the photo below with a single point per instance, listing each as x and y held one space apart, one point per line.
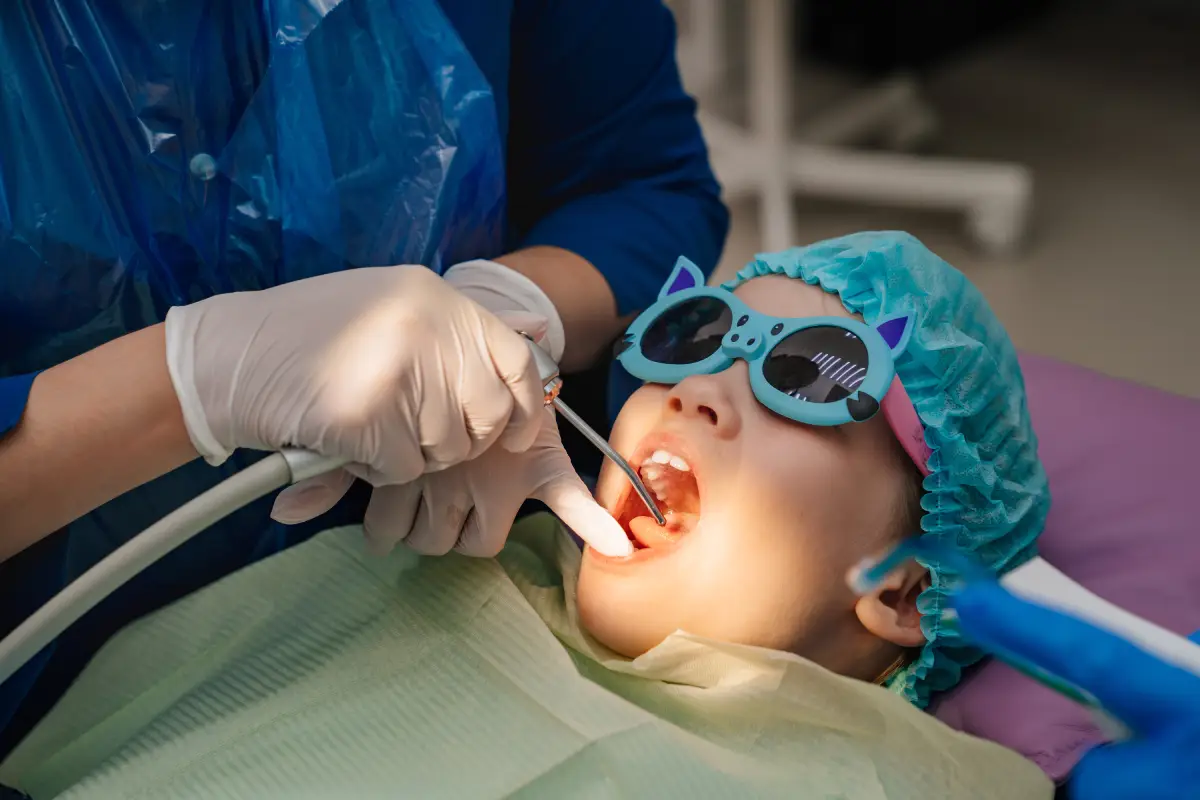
1095 99
774 157
878 37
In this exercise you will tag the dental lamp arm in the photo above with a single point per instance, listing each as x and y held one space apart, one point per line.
112 406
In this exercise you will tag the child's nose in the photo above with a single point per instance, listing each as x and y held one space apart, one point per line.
704 398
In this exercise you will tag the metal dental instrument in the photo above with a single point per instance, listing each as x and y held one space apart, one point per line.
552 383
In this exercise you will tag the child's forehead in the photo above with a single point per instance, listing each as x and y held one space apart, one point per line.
781 296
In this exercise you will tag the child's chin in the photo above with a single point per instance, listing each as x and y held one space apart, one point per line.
612 631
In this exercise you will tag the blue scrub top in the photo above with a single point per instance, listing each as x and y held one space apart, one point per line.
604 158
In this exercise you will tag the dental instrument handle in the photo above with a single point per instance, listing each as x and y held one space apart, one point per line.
552 384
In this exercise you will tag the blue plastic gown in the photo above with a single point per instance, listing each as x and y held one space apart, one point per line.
158 153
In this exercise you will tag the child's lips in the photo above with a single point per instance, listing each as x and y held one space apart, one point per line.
651 540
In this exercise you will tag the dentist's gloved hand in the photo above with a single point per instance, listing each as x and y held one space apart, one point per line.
513 297
471 507
1159 702
389 368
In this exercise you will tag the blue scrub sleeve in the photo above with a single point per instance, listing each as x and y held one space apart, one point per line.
606 158
15 605
14 394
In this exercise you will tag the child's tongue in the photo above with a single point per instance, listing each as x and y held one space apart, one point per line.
649 533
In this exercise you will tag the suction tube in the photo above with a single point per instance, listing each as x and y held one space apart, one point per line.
84 593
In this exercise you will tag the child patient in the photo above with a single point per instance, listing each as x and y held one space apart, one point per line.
765 515
774 492
836 399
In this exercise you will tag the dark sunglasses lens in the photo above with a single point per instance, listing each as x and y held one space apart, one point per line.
820 365
687 333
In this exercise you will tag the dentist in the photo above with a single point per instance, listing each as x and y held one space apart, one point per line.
202 206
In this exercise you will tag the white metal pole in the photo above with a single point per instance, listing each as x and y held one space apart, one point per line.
768 46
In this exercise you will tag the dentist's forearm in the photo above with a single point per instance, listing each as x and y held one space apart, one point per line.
94 428
582 296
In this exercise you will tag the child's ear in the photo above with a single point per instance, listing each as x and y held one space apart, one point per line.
890 612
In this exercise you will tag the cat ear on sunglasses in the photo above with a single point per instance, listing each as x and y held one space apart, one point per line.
896 331
685 275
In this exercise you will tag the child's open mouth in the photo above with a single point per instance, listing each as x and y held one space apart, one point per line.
672 481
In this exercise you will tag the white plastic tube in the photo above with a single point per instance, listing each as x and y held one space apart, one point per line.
1039 582
85 592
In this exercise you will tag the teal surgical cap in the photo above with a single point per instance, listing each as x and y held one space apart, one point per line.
987 493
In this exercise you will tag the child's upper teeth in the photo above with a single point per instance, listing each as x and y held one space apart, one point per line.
665 458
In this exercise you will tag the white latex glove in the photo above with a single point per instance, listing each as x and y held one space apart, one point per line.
388 367
470 507
498 289
510 295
